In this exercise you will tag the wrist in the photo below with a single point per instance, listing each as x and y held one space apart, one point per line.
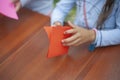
92 35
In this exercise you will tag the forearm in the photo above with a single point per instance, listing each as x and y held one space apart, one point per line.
107 37
61 11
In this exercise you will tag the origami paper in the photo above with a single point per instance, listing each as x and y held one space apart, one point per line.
48 30
8 9
56 35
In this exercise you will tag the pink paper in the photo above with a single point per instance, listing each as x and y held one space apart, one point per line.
8 9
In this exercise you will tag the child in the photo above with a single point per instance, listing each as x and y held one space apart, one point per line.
97 21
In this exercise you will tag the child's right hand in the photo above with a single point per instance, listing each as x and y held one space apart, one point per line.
57 23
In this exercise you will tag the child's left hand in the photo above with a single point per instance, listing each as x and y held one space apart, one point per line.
80 36
17 4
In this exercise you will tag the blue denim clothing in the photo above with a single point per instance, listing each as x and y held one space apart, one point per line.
41 6
109 35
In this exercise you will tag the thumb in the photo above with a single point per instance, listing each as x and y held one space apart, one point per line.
71 24
18 6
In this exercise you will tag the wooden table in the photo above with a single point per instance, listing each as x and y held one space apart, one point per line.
23 50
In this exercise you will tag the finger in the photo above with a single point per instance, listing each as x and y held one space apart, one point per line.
69 41
57 24
71 25
70 31
73 43
72 38
79 43
15 1
18 5
53 26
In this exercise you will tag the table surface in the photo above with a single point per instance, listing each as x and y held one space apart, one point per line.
24 46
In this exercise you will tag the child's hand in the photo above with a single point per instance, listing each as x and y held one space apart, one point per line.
80 36
57 24
17 4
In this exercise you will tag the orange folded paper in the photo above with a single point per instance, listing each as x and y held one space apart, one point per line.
56 35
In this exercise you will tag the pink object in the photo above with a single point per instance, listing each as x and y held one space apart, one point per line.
7 8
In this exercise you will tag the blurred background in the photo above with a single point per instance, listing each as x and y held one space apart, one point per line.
71 15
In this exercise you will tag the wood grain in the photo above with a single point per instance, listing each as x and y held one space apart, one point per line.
23 49
14 33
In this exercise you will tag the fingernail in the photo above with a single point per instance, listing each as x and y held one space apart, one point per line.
65 32
62 41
